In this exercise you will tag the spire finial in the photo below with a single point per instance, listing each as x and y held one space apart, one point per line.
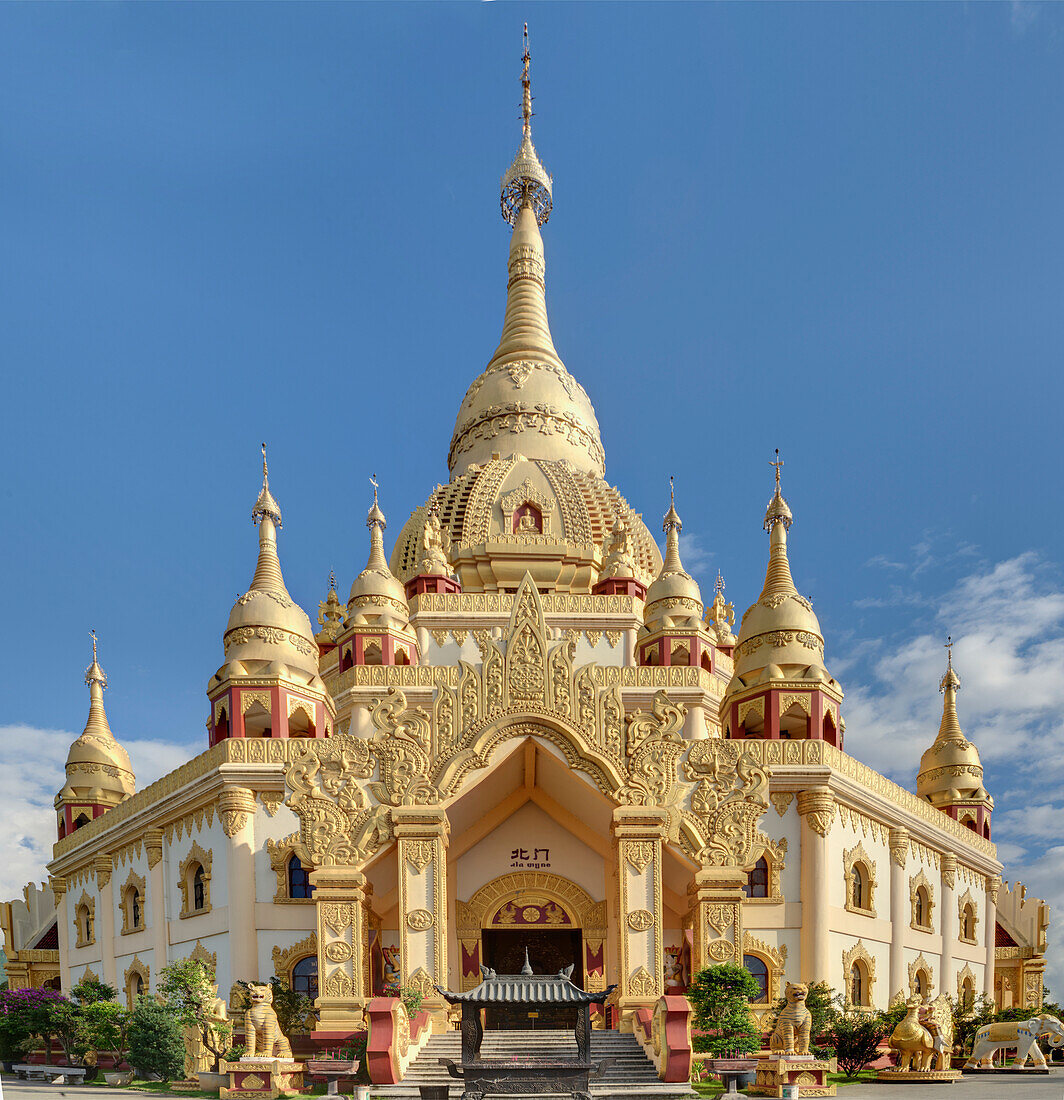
373 482
266 505
332 580
949 651
265 470
527 968
778 512
526 183
94 674
778 463
720 582
672 490
93 635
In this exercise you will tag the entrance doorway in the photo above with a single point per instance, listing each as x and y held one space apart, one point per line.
549 950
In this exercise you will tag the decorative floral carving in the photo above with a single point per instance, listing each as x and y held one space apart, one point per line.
859 955
817 806
639 920
639 853
729 800
654 747
418 853
858 857
419 920
781 800
640 983
898 841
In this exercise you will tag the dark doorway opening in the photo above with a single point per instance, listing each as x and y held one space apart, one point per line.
549 950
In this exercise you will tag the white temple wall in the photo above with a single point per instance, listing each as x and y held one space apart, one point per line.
282 824
529 830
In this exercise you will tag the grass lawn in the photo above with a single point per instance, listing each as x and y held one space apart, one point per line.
715 1088
164 1089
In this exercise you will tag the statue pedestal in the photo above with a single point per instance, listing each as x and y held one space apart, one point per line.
262 1078
918 1076
810 1074
1014 1071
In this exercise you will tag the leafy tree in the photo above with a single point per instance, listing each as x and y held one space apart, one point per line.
720 996
188 989
855 1037
105 1026
90 990
64 1022
26 1019
156 1041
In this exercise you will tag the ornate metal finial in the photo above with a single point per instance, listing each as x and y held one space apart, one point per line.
376 516
266 505
950 679
332 580
94 674
672 490
778 463
526 182
949 651
527 968
778 511
671 521
720 583
373 482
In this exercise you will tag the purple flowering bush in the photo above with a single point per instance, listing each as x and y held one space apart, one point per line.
28 1017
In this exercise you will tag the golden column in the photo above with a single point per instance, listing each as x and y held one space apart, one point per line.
948 921
817 807
637 836
716 897
899 914
105 925
422 833
153 846
59 890
236 808
340 896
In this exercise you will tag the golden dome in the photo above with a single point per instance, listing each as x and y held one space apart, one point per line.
96 760
377 597
268 632
950 770
779 636
526 402
480 509
674 600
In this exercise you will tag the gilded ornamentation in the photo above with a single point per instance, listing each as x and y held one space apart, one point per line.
248 699
133 915
967 917
421 980
199 953
949 870
613 637
729 800
235 806
418 853
641 984
856 861
402 751
918 965
338 951
639 920
272 801
418 920
918 883
781 800
755 707
280 852
639 853
774 958
858 955
140 970
103 867
201 858
817 806
899 845
284 958
85 921
654 747
439 637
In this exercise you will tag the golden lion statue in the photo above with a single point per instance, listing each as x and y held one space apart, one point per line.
264 1037
791 1035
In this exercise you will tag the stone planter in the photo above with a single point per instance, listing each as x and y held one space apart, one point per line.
212 1082
119 1080
332 1069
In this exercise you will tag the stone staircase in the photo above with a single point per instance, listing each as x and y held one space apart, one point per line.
631 1073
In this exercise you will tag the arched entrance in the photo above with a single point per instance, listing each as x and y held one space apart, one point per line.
557 920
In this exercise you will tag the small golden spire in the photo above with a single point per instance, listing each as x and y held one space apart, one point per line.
672 525
526 182
720 583
949 683
778 511
526 85
267 515
266 505
778 464
93 635
376 523
94 674
96 679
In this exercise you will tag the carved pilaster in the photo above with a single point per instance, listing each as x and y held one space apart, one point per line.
637 832
103 866
153 846
817 806
58 887
339 895
899 846
422 832
235 804
949 870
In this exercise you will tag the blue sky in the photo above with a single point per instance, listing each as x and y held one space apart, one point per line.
834 229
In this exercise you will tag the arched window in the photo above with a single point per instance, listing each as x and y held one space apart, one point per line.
860 890
921 983
681 655
221 726
757 880
401 656
857 985
84 917
81 819
920 910
759 971
133 908
305 976
136 987
371 654
968 923
346 660
298 880
967 995
199 896
707 662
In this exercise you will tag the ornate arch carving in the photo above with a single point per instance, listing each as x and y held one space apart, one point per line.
133 882
135 969
964 902
916 883
774 958
587 914
860 955
918 964
204 858
85 920
774 852
967 974
284 958
850 858
280 852
208 958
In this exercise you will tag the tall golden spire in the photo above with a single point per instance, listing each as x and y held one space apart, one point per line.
949 728
376 523
96 679
267 514
778 519
672 525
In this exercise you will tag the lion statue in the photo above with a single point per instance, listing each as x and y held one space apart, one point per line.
791 1035
264 1038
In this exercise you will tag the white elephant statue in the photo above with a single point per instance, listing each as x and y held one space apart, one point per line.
1021 1034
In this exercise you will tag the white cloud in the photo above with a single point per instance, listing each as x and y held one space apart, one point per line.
1022 14
697 559
29 782
1007 621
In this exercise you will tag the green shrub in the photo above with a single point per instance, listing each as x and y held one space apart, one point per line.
855 1037
156 1042
105 1026
411 999
720 996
